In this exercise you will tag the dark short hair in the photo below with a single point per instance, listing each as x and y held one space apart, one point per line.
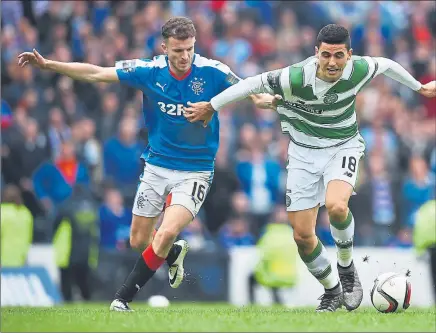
12 194
179 28
334 34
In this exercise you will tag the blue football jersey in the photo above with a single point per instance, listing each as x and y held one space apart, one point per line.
174 142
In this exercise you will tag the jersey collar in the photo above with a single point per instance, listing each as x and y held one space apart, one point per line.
184 76
310 73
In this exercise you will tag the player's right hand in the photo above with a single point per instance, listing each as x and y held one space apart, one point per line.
199 111
428 89
33 58
266 101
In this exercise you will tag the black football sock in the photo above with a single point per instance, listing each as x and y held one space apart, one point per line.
142 272
137 278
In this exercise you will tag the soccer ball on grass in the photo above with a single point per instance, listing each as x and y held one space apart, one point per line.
391 292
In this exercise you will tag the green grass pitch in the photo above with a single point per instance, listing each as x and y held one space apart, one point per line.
200 317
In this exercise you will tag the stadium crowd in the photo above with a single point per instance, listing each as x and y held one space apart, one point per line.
59 135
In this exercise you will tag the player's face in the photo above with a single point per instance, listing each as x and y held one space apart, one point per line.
332 60
180 53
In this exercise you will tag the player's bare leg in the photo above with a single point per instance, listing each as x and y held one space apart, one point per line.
176 218
314 255
342 229
141 235
142 231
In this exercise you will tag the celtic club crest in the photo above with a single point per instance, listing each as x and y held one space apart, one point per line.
197 85
330 98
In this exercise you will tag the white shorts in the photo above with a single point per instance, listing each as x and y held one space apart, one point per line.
159 185
310 170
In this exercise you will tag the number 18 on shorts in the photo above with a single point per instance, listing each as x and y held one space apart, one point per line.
310 171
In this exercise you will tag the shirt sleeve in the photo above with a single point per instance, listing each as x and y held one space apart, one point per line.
397 72
135 72
226 77
258 84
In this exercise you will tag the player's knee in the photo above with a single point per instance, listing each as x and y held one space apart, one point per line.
303 239
138 243
165 236
337 210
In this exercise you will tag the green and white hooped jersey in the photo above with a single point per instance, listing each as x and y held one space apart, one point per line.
325 119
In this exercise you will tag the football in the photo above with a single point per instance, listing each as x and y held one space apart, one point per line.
391 292
158 301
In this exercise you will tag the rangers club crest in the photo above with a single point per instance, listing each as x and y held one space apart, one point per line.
288 196
197 85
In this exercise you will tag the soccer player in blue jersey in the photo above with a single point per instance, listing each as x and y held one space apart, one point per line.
179 159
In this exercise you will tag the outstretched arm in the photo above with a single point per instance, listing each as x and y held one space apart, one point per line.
266 84
397 72
75 70
244 88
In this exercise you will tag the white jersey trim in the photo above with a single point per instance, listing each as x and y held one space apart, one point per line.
286 85
200 61
158 61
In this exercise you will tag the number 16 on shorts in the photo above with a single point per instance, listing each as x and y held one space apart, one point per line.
198 191
190 194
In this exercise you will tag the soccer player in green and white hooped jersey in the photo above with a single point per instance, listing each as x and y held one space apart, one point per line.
316 103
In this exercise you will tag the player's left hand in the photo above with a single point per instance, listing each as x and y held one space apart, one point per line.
199 111
428 89
266 101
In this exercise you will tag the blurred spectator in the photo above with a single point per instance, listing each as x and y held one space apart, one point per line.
99 14
68 101
378 137
76 241
16 228
121 158
197 235
12 12
323 228
277 266
265 44
109 117
231 50
29 155
236 233
418 188
433 161
372 35
240 204
217 206
419 29
115 219
22 80
424 236
288 38
259 178
6 115
58 131
54 181
403 239
428 76
91 151
380 200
